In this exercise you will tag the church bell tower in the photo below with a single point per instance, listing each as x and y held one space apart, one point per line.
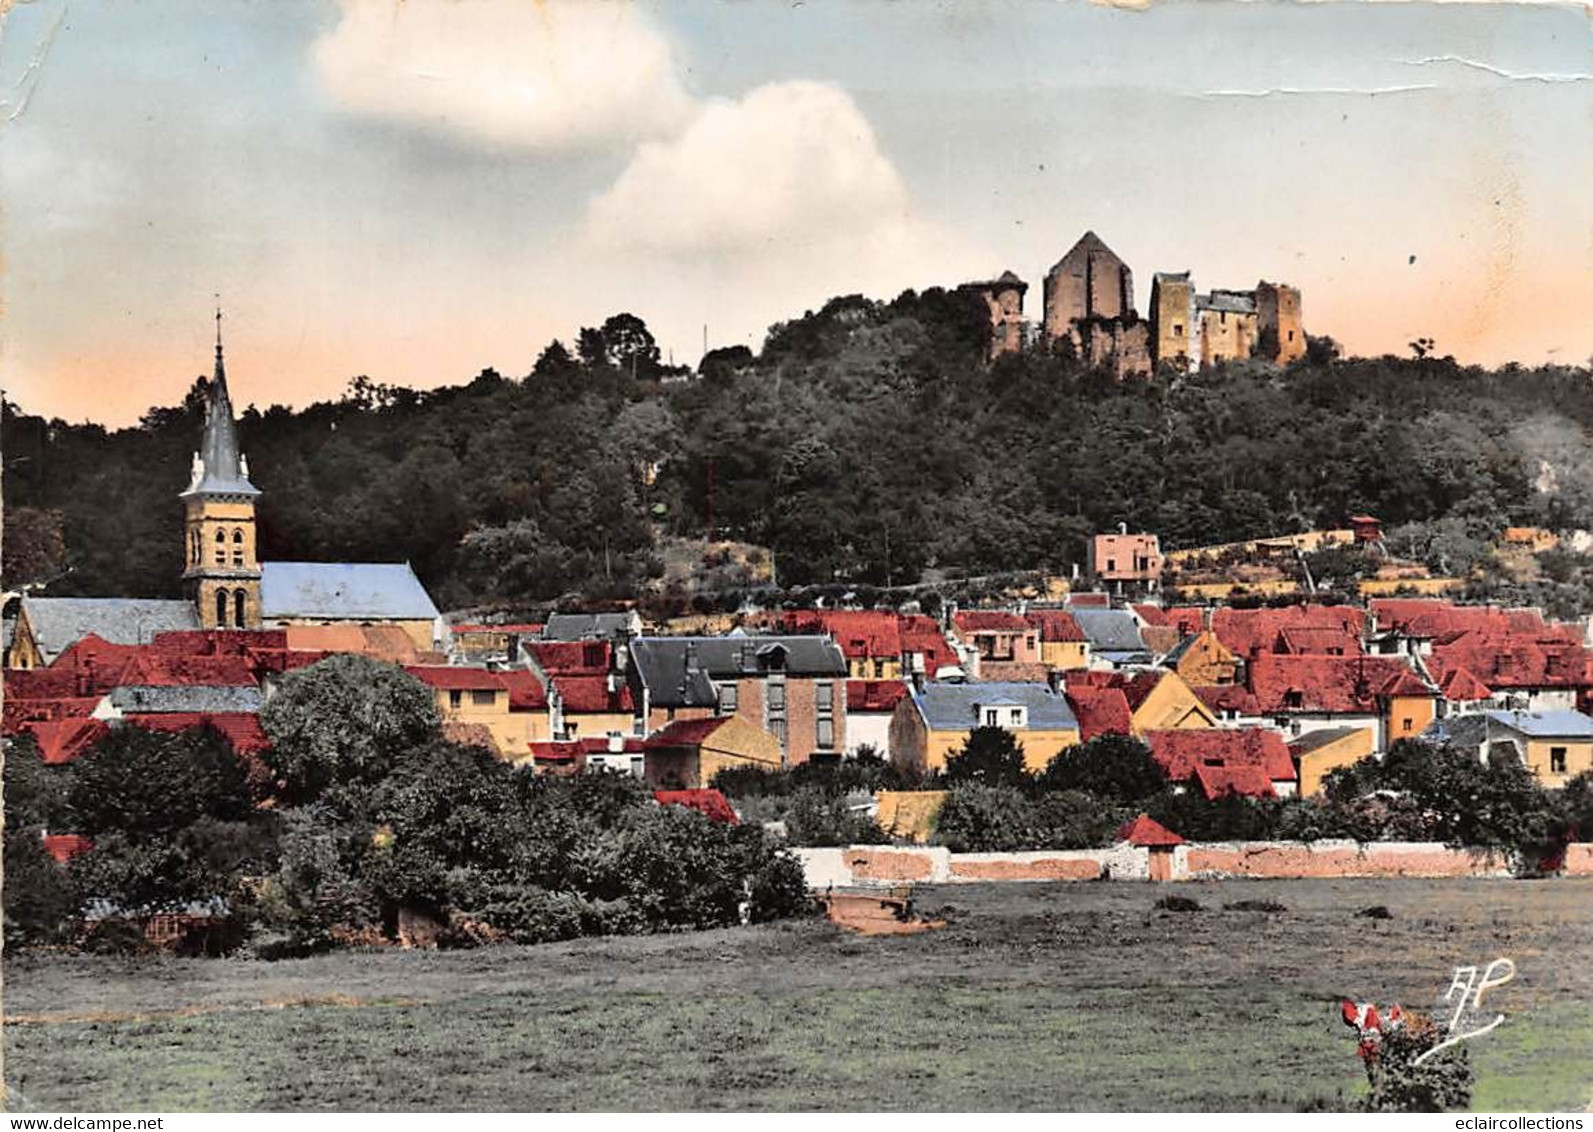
223 566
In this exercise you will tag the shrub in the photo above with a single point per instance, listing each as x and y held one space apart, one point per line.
1109 766
1177 904
990 756
1442 1083
815 818
986 819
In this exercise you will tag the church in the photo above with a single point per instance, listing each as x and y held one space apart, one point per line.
228 586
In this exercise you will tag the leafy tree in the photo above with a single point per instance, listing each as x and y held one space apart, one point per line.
345 722
990 756
140 782
1112 767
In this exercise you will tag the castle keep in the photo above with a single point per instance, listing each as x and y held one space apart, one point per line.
1089 310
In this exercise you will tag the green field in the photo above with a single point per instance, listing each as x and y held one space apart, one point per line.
1035 997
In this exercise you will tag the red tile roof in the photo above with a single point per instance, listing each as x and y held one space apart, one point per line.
686 732
64 846
576 750
1183 753
590 695
874 695
1055 625
1220 781
241 730
862 634
1100 711
1136 687
1151 614
710 803
1146 831
526 691
922 636
1090 600
1333 684
1406 684
1311 629
573 658
61 741
1187 619
1460 686
456 678
989 621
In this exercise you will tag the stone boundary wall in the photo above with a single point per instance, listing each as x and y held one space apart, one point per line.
883 866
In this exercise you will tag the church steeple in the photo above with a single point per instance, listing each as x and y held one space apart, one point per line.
223 569
219 467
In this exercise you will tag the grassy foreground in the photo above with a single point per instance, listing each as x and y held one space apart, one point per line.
1036 997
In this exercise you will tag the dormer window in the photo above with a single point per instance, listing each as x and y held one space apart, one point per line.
1294 698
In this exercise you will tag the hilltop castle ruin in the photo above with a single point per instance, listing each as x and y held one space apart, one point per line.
1089 309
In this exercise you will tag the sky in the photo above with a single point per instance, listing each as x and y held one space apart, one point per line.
415 190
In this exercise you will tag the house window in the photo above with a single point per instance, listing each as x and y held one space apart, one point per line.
1291 336
776 696
221 609
777 729
879 670
824 696
1293 699
1178 330
992 717
238 611
636 767
1405 724
1556 760
729 698
483 697
456 698
1016 716
825 733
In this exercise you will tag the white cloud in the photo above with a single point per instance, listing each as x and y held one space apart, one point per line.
761 207
552 75
790 163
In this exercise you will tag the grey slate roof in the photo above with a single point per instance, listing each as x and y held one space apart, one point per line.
1238 302
1312 740
343 591
59 622
955 707
589 626
1473 729
186 699
1110 630
219 467
678 671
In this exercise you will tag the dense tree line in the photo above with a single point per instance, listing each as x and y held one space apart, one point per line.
866 442
1418 792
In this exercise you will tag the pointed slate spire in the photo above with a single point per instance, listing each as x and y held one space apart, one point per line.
219 468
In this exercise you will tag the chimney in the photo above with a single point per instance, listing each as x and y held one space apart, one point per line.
616 744
1122 528
691 658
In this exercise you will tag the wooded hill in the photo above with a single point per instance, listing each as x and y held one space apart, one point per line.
866 442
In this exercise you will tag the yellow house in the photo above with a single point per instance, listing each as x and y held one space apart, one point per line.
1063 645
688 753
1202 661
931 725
1158 699
1319 753
1555 745
1412 706
475 697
